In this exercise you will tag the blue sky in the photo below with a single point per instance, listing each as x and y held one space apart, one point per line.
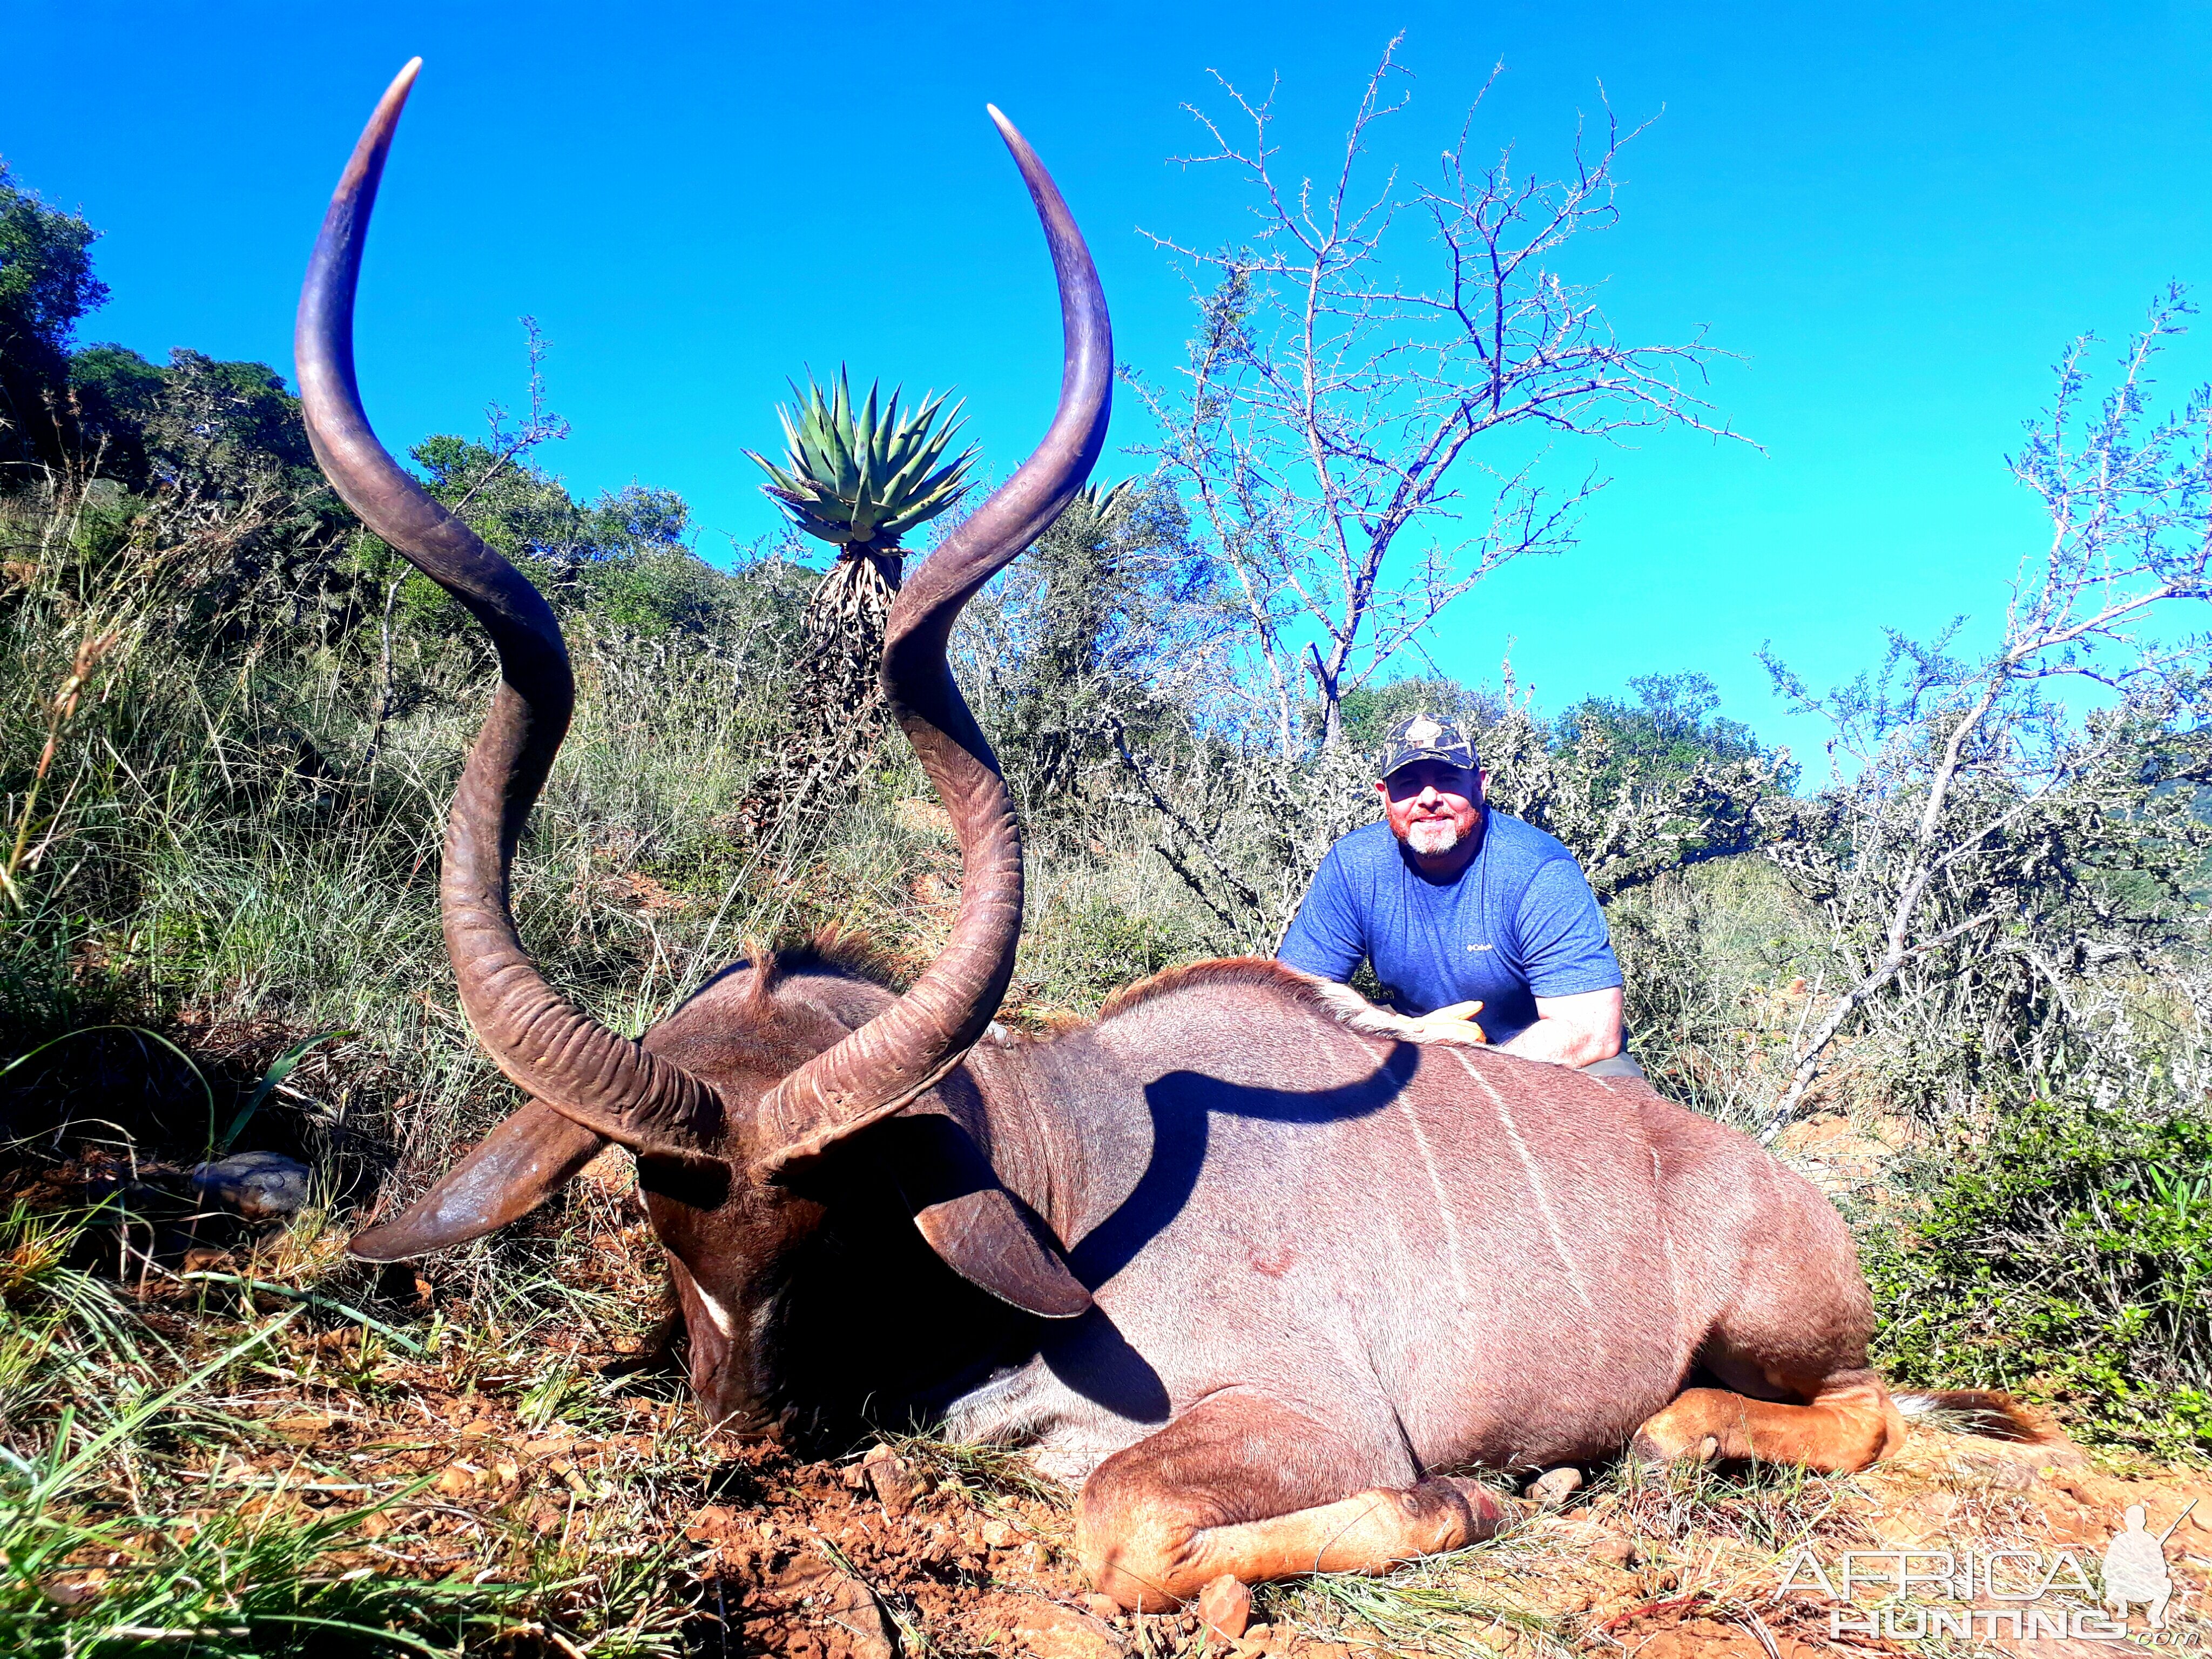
1896 215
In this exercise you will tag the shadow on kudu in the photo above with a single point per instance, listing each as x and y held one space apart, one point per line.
1237 1257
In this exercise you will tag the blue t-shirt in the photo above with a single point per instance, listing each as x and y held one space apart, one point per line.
1519 922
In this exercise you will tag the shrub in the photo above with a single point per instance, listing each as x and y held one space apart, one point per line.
2063 1249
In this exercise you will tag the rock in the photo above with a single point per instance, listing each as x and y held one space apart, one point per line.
716 1521
829 1597
2002 1473
896 1481
1049 1631
846 1603
73 1589
259 1186
1615 1551
1225 1607
1554 1486
998 1535
1104 1606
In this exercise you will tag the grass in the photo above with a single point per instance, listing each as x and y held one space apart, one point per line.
1437 1607
1771 1507
261 1486
986 1472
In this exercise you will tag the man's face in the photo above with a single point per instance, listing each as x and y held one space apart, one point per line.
1432 806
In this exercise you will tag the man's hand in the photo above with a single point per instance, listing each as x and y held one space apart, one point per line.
1455 1023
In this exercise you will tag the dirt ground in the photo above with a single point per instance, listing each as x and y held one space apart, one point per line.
514 1441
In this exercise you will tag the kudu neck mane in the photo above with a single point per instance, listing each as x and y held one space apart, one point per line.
1048 1115
854 957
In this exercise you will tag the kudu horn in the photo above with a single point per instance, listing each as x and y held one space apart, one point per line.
599 1081
910 1045
602 1081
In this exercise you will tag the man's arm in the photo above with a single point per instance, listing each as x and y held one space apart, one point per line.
1573 972
1576 1030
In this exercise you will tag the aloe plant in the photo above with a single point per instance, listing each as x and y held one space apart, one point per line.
861 479
858 477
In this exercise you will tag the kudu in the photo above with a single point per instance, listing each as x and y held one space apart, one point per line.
1256 1269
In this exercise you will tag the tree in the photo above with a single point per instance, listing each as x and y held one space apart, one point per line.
1980 838
1664 734
1366 713
46 287
1637 791
1245 829
1334 410
1107 624
200 427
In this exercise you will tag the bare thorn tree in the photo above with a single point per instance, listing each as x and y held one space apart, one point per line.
1958 781
1329 410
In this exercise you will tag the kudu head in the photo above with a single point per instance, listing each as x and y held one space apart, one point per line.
729 1098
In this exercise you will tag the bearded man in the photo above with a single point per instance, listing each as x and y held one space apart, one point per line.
1463 910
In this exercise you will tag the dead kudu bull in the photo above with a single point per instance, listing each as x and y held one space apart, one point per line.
1239 1253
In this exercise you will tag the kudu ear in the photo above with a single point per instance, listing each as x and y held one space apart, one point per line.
983 1232
510 1173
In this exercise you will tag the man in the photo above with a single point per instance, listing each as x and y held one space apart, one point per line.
1462 909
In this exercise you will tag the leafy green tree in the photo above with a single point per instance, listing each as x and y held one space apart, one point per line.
1098 629
1368 712
622 557
46 286
1663 735
218 431
523 513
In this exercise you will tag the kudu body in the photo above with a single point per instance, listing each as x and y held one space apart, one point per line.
1250 1265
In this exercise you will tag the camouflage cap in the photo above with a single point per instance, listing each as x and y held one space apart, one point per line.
1423 736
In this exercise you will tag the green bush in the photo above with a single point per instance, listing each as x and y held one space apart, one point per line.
1085 947
2063 1249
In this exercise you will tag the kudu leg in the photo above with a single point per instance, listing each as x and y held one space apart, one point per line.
1246 1485
1848 1422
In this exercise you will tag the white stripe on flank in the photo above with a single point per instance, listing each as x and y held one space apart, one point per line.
1535 1185
1444 1204
1666 1241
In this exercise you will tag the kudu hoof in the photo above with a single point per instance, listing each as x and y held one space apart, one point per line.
1655 1455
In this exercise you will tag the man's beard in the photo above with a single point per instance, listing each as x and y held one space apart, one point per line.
1432 836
